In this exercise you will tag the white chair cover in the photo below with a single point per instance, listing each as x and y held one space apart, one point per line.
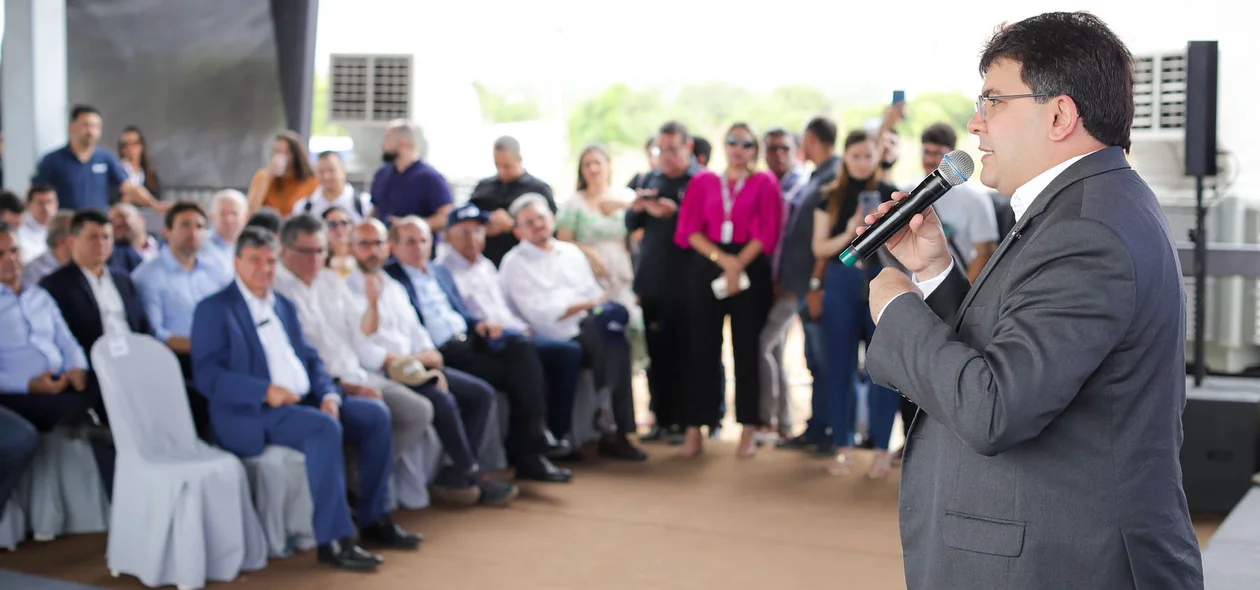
62 493
282 496
12 525
413 470
182 513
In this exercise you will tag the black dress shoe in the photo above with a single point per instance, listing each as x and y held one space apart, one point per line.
387 533
553 447
347 555
620 447
538 468
795 443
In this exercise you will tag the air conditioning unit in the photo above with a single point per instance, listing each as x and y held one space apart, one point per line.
369 91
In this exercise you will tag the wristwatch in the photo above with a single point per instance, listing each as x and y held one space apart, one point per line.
815 284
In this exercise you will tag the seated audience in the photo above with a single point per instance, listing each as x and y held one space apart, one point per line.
227 218
286 179
172 285
12 209
475 346
41 207
266 385
334 191
390 338
478 284
132 243
266 218
43 370
56 251
553 287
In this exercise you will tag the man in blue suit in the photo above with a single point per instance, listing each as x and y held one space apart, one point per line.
266 385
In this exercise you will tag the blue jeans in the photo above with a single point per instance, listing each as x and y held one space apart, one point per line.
816 427
17 449
847 321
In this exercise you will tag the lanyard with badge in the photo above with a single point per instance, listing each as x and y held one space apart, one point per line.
728 205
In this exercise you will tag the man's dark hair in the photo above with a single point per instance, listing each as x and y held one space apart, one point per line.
266 218
182 207
675 128
778 132
940 134
11 203
1072 54
300 225
5 228
85 217
82 109
255 237
702 149
824 129
39 188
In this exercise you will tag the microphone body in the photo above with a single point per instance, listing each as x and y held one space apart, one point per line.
954 169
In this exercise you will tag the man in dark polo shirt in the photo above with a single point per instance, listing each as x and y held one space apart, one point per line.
660 274
497 193
406 185
85 174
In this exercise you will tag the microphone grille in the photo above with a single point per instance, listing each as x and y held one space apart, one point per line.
956 167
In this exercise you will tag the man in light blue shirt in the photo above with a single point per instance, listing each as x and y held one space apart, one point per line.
227 217
173 283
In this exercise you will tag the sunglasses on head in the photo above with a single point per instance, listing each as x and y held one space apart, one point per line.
747 144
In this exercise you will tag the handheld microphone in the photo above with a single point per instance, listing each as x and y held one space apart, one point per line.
956 167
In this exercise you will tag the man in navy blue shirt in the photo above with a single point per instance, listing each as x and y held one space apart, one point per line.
85 173
406 185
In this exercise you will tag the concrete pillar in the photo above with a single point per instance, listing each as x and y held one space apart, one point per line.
34 86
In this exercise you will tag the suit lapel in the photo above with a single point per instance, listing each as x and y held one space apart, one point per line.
85 291
241 310
1104 160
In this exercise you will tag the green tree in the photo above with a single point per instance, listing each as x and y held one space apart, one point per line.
619 117
497 107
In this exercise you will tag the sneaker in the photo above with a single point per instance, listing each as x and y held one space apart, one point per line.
452 487
495 492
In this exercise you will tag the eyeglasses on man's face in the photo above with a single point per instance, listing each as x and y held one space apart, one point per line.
984 103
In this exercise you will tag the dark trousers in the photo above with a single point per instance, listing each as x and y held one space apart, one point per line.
748 311
46 412
666 337
514 369
197 403
609 358
365 424
562 363
460 415
17 448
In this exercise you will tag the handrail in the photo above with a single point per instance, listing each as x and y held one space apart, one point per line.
1223 259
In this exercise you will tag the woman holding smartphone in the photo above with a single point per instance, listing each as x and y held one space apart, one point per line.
846 316
732 222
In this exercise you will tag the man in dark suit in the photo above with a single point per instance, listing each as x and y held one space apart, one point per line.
266 385
1045 454
473 345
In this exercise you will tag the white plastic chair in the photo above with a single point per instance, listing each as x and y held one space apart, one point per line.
282 497
12 525
62 493
182 513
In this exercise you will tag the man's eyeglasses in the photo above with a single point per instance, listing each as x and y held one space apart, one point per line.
309 251
778 148
340 223
983 102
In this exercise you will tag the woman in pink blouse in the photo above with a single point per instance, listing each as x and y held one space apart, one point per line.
731 222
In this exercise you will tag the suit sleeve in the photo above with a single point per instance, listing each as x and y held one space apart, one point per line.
1071 300
212 360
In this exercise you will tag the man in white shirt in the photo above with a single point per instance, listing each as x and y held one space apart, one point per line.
329 319
267 385
334 191
966 213
508 363
389 333
227 219
479 286
41 206
551 285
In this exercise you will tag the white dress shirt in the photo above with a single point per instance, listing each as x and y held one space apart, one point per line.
330 317
543 284
283 364
1020 201
399 331
319 203
33 238
108 300
478 283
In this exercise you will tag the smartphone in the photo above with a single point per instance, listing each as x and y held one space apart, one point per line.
869 201
899 96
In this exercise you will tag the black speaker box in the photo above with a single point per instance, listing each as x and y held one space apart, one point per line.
1218 454
1201 87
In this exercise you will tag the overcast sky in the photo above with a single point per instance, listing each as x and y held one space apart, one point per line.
918 45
